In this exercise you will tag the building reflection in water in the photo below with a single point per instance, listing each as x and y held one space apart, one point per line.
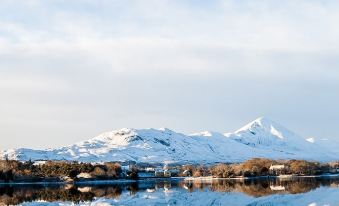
15 194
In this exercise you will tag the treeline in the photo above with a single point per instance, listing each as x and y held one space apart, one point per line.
11 170
261 167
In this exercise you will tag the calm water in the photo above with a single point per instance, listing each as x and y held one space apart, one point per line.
299 192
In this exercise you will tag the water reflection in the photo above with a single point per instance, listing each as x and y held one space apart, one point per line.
262 187
17 194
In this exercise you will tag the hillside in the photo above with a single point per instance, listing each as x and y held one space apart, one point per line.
260 138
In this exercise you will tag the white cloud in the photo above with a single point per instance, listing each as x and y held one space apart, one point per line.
141 63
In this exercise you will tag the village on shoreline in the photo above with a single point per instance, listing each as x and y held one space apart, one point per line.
17 172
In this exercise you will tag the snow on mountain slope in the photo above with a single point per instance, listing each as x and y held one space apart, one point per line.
260 138
263 132
277 141
224 147
144 145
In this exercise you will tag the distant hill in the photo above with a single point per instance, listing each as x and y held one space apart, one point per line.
260 138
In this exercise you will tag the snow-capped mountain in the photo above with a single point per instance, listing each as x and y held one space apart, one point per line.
260 138
277 142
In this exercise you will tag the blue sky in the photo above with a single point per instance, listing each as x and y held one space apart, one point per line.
72 69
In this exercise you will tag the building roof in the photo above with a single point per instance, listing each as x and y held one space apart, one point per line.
277 167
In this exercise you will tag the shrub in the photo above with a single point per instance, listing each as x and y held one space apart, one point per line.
200 172
222 171
98 172
188 168
113 169
257 166
303 167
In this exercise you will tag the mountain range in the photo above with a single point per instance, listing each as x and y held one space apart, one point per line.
261 138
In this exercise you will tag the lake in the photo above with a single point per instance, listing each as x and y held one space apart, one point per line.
252 192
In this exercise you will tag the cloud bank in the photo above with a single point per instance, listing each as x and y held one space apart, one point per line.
72 69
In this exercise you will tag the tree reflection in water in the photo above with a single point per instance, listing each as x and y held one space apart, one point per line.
261 187
16 194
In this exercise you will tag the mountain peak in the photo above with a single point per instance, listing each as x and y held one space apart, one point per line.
266 132
261 122
264 120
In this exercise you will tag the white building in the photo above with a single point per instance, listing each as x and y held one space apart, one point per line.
278 169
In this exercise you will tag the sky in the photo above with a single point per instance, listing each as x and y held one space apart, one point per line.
72 69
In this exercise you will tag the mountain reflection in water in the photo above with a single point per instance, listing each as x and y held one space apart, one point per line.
86 193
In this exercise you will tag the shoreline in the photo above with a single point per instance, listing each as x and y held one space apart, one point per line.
91 182
262 177
121 181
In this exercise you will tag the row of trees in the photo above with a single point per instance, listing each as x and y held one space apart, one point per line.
261 167
11 170
14 170
56 169
258 167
